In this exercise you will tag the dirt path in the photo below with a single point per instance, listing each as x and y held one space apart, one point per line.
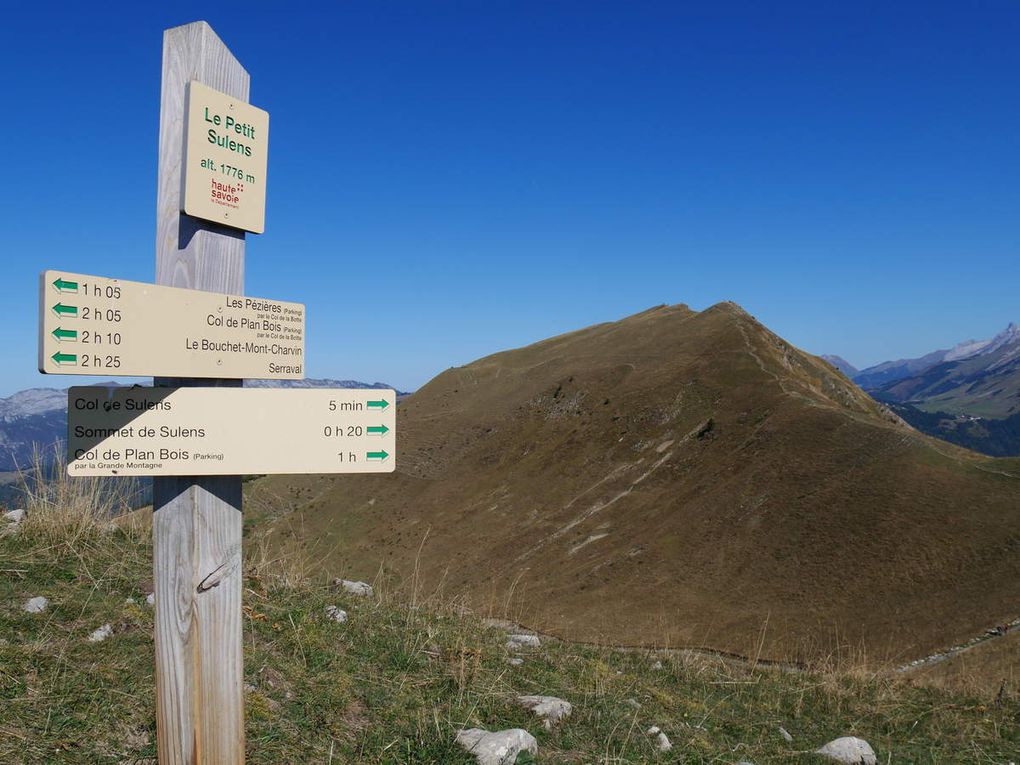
989 635
940 656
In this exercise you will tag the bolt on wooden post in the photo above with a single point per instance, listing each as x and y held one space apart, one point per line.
196 521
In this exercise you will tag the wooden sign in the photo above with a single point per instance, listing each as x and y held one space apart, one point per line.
229 431
225 159
94 325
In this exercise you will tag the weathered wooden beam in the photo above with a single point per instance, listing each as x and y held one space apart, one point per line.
197 521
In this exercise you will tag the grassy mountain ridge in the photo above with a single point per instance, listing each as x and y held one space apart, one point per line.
678 478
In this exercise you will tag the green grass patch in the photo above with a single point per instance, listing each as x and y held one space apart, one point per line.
394 684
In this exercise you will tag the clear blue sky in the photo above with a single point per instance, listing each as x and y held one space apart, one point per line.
451 179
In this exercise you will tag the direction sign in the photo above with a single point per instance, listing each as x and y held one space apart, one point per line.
229 431
94 325
225 159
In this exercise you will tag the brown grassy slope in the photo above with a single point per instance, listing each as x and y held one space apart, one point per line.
981 669
680 478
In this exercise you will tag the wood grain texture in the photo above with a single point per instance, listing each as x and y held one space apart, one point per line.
196 522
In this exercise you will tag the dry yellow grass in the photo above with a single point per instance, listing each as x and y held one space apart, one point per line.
394 683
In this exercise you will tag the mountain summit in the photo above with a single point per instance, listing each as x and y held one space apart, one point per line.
678 478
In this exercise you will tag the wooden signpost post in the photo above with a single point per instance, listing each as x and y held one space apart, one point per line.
196 523
196 433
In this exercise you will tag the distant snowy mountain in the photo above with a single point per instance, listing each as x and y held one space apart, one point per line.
315 383
889 372
31 421
1008 339
968 394
978 378
965 350
31 402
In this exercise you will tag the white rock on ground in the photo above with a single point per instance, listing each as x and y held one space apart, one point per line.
849 750
13 520
514 661
499 747
361 589
549 708
662 741
37 605
515 641
100 634
657 665
785 734
150 599
336 614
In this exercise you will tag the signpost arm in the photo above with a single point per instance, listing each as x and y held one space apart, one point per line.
196 521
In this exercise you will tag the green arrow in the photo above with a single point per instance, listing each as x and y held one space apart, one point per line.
378 404
377 456
65 286
60 309
65 334
65 358
380 429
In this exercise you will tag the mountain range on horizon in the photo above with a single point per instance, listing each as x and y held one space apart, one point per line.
888 372
968 394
